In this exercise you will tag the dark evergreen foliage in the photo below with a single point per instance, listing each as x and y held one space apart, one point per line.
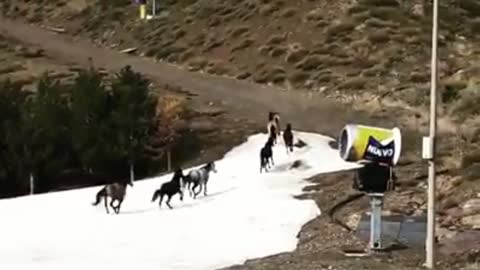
84 128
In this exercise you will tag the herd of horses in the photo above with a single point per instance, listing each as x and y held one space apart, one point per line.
196 178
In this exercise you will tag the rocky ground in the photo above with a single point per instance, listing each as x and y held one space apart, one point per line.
372 56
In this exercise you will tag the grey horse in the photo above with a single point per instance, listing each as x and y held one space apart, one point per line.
199 177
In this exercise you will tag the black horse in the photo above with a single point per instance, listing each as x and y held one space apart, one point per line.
266 155
170 188
288 138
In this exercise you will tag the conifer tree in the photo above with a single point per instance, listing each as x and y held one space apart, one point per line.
133 115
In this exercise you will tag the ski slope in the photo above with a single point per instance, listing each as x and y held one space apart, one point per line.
246 215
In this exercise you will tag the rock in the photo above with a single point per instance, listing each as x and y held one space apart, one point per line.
471 207
472 221
353 220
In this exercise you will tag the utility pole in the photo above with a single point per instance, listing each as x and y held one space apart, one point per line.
430 241
154 8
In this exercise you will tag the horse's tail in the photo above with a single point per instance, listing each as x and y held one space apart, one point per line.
99 196
156 194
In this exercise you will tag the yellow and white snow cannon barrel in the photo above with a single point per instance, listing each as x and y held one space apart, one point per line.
359 143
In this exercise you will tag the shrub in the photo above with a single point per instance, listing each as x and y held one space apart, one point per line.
379 36
357 9
239 31
289 12
388 14
298 78
243 44
354 83
311 63
277 51
295 56
340 28
375 22
377 3
276 40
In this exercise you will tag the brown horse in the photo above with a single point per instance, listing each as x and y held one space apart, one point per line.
116 191
273 126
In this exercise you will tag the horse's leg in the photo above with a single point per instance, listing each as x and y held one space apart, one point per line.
160 202
190 192
168 201
205 188
181 195
105 199
119 205
200 190
195 185
112 205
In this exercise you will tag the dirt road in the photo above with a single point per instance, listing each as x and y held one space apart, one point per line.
309 112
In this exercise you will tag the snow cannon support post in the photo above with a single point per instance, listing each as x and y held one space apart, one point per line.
378 149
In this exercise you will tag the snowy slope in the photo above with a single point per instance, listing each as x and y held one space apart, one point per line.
246 215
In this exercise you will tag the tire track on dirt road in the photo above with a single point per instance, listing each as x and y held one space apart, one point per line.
241 99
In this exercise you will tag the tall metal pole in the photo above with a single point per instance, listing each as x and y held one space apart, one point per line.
430 241
154 8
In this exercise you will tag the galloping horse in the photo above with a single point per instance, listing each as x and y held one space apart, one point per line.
199 177
170 188
273 126
116 191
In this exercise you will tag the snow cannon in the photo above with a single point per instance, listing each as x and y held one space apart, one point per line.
358 143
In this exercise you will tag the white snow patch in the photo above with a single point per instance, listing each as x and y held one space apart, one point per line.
245 215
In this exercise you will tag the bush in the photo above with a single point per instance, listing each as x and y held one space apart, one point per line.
241 30
379 36
276 40
377 3
278 51
388 14
296 56
475 26
243 44
375 22
354 83
298 78
357 9
471 6
340 28
311 63
288 13
451 91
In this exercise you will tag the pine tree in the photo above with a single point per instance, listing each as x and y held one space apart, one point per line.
51 136
15 127
90 123
133 115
